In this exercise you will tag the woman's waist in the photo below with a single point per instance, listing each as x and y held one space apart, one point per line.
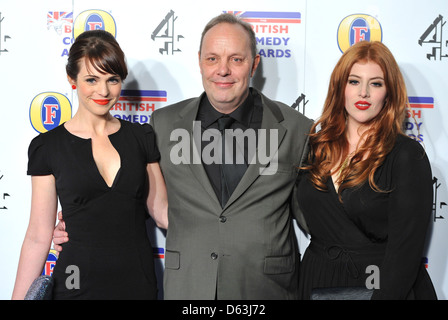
331 248
74 246
356 259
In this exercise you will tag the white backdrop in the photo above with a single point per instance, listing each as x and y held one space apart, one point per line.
299 41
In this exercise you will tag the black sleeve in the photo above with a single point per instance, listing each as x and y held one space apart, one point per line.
152 151
410 208
38 164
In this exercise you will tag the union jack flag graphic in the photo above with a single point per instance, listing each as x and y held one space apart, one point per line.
58 19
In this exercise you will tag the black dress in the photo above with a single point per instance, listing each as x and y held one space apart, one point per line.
108 245
386 230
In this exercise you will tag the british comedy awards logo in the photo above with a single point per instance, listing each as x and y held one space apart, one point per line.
48 110
414 119
356 28
138 105
62 23
272 30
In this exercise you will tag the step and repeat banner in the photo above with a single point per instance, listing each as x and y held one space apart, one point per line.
299 43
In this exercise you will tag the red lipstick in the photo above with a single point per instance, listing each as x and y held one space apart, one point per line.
102 102
362 105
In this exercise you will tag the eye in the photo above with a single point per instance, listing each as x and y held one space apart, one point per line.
114 80
377 84
91 80
235 59
353 82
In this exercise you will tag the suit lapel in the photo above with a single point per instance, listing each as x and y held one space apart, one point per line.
271 122
186 121
272 117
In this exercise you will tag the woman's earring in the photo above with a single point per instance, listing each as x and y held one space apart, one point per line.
73 87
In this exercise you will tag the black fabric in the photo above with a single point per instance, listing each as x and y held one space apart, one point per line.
385 229
106 225
231 170
246 117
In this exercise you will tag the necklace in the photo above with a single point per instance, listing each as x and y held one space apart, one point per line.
345 162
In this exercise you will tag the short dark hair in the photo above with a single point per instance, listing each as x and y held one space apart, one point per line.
101 49
232 19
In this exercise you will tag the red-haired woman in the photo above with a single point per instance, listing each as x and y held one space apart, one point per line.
366 190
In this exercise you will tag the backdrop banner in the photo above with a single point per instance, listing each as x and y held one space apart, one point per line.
299 43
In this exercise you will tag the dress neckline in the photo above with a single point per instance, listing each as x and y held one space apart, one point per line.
94 165
89 139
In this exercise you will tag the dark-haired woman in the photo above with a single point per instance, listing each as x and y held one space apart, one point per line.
105 174
366 214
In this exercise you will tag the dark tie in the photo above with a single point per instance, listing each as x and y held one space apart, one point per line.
231 173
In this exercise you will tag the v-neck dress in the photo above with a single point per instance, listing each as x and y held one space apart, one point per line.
386 230
108 245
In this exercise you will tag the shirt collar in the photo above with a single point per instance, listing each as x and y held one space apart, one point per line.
208 114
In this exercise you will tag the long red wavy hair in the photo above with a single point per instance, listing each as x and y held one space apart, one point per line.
328 135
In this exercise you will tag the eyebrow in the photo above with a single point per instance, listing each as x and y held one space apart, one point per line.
94 76
374 78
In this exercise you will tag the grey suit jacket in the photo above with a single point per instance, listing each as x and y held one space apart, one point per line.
248 249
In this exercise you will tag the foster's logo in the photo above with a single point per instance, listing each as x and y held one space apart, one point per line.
50 263
94 20
48 110
358 27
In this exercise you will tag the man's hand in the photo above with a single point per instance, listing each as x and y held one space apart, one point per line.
60 236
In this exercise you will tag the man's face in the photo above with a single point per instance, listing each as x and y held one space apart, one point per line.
226 65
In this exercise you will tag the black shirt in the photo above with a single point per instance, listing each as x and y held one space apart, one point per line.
247 116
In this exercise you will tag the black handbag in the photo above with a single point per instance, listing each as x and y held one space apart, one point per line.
41 289
342 293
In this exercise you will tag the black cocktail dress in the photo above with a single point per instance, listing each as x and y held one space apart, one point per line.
108 245
386 230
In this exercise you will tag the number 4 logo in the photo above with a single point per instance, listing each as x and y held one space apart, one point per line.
434 36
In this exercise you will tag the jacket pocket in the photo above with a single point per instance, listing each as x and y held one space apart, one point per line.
278 265
172 260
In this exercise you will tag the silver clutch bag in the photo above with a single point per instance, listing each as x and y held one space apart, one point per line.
41 289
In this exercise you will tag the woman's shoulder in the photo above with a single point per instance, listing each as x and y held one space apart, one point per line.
404 143
135 127
49 136
407 150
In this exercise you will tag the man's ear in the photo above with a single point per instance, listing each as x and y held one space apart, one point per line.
255 64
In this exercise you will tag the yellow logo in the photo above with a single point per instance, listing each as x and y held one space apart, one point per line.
48 110
358 27
93 20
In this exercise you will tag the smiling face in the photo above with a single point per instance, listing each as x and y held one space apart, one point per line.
97 92
365 93
226 65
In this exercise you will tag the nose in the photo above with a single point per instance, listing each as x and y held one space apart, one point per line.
364 90
103 89
223 68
